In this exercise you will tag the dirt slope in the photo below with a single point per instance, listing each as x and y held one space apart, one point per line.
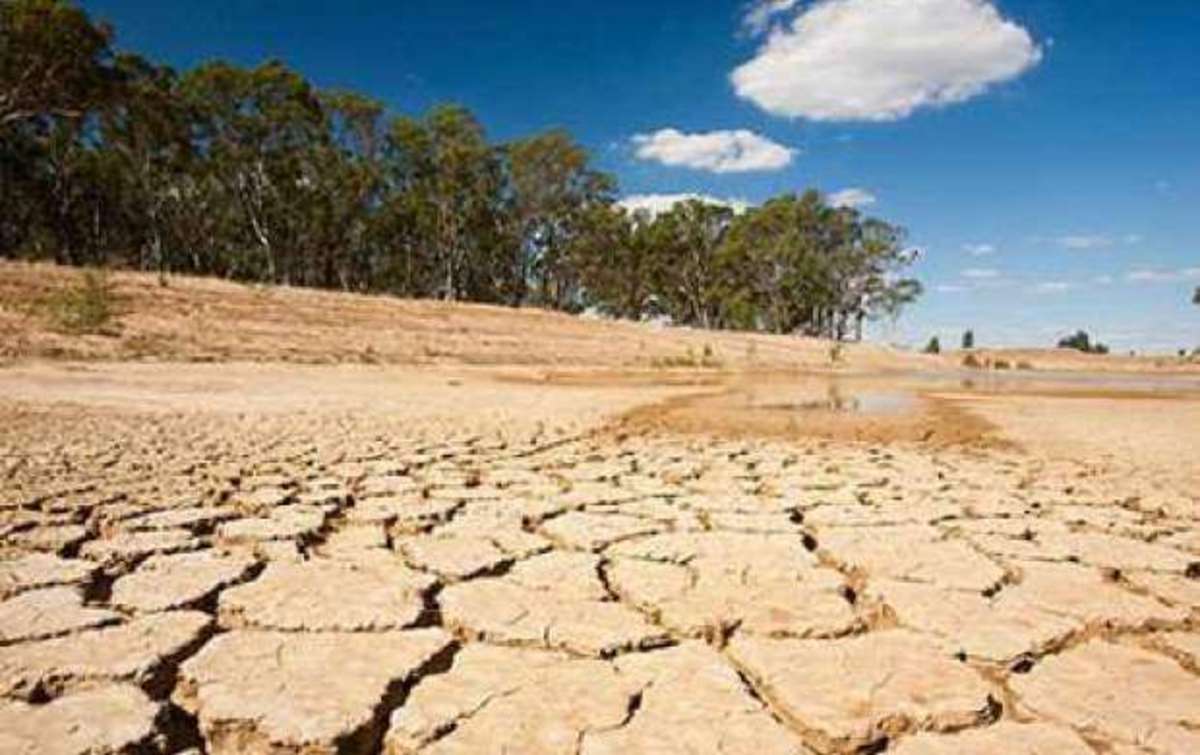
197 319
209 320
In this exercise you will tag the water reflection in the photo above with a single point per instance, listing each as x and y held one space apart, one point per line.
837 398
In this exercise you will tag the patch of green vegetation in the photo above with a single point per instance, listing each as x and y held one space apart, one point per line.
89 306
1081 341
707 360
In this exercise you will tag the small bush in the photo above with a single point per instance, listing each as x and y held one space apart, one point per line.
1001 364
972 361
707 360
89 306
934 346
835 353
1024 366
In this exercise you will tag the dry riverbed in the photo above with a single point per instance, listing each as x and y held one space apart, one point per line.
234 558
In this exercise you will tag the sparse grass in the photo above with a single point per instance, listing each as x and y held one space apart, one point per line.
1024 366
87 307
835 353
707 360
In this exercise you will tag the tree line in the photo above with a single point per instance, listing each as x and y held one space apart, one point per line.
255 174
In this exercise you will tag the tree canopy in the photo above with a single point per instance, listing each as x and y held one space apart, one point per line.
255 174
1081 341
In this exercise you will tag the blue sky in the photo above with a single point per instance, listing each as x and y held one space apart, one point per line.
1044 153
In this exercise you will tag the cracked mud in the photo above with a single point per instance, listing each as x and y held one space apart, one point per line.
550 580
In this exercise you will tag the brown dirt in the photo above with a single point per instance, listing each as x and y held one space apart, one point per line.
206 320
570 551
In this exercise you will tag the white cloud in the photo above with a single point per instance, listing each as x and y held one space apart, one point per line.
762 13
1103 280
1052 287
980 273
852 197
656 204
1163 276
738 151
880 60
950 288
979 250
1081 242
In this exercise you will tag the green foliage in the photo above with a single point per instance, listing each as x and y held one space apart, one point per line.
254 174
797 264
968 340
52 61
934 346
1081 341
88 306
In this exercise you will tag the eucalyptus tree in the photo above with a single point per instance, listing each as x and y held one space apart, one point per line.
783 278
146 136
799 265
446 179
620 256
54 61
20 192
551 187
342 189
55 71
694 285
872 286
255 129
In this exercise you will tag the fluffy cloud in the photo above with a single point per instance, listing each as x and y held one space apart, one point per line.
879 60
852 197
660 203
979 250
738 151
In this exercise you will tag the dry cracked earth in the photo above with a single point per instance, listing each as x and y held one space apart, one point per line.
350 583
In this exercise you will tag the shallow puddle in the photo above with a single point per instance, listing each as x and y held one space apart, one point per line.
843 400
